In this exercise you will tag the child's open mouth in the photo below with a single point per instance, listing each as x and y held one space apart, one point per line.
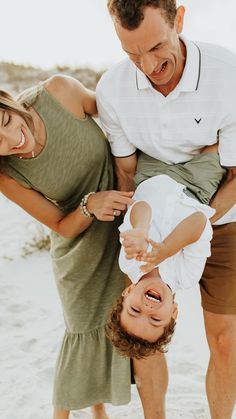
154 296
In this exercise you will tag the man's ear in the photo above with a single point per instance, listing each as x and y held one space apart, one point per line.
175 311
128 290
179 19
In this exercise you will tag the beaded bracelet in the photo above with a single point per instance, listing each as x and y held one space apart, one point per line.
83 205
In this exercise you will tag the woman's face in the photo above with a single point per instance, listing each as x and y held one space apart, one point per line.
15 135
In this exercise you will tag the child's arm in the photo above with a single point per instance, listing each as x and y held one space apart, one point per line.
136 240
185 233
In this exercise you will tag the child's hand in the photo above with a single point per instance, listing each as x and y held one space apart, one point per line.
154 257
135 242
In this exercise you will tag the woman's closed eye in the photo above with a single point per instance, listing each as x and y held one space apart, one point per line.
6 118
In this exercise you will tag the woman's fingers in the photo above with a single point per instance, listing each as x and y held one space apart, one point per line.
108 201
118 206
124 198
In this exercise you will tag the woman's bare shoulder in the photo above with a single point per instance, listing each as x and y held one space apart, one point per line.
72 94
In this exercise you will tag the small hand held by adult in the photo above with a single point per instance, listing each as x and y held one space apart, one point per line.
107 205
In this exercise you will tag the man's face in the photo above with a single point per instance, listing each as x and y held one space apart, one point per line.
155 48
147 308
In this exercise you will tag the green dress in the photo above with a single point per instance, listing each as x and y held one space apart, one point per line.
76 160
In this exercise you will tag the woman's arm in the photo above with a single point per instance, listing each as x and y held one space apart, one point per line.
102 205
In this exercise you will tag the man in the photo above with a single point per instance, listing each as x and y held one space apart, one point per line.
170 98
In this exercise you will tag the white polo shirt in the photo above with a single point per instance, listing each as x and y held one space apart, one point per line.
170 205
200 111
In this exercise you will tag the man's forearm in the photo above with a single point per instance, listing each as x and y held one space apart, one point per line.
125 172
125 183
225 198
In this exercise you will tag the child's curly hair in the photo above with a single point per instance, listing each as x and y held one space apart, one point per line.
132 346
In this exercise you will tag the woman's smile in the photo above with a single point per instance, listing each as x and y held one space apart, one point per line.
22 142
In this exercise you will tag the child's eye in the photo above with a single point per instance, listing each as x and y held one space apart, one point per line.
135 310
155 319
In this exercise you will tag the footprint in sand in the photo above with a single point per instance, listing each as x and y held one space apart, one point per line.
16 308
28 345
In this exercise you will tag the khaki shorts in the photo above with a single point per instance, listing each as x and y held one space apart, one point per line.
218 283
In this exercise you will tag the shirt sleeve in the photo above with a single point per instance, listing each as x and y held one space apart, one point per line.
120 145
227 143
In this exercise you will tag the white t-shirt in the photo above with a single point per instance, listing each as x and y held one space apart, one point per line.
200 111
170 205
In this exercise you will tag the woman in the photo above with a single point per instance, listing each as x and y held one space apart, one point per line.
55 164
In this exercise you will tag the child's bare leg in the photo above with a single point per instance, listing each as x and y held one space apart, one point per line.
210 149
99 412
135 240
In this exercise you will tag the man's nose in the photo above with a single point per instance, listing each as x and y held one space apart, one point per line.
148 64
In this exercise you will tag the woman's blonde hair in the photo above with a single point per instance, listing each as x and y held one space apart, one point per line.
18 106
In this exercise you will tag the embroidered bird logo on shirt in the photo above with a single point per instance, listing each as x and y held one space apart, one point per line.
198 120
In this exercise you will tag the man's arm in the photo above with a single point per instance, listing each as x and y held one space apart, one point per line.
225 197
123 151
125 171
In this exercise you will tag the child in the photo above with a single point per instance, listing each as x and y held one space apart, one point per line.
175 215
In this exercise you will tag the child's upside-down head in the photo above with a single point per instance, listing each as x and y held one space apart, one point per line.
143 319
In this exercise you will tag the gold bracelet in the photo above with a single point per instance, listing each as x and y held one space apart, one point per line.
83 205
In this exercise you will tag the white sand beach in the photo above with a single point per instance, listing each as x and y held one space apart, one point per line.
32 327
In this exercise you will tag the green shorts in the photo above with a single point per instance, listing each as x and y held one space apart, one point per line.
202 174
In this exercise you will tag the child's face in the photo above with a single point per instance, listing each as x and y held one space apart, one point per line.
147 308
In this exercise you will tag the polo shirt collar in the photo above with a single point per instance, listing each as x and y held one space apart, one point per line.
190 79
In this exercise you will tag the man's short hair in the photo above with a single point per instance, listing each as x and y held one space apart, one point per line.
133 346
129 13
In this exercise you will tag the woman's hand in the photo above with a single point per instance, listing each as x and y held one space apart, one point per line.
109 204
